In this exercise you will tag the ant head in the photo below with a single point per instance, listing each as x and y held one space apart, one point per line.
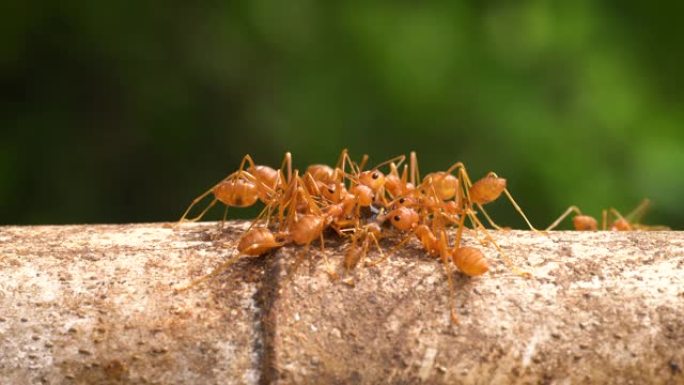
403 218
405 201
374 179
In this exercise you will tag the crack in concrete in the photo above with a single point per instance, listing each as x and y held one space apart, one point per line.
266 319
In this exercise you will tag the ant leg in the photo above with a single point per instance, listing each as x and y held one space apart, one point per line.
459 232
616 213
223 219
266 211
310 200
287 161
394 170
289 199
444 256
200 198
604 219
415 173
464 182
342 158
568 211
404 176
338 230
342 162
298 261
312 182
455 166
392 250
364 160
520 211
397 159
246 159
507 260
514 203
377 245
489 219
219 228
218 270
381 197
635 215
198 217
351 255
328 267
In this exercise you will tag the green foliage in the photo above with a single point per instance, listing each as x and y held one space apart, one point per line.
124 111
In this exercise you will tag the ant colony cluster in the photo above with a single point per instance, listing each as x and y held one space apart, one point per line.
361 205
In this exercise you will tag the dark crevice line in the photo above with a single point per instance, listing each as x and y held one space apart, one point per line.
266 319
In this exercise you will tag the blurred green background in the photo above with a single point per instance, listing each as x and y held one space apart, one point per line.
124 111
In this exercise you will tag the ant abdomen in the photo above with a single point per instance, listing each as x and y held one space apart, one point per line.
307 228
487 189
445 185
470 261
584 223
621 225
258 241
236 192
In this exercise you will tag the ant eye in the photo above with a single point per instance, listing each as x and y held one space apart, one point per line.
397 218
402 200
376 175
330 190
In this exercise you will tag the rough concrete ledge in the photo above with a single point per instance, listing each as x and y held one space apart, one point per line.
96 304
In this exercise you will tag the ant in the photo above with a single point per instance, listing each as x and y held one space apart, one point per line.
243 188
580 221
628 222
